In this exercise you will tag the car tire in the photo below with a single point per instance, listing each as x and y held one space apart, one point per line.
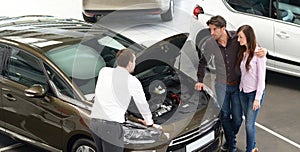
82 145
89 19
168 16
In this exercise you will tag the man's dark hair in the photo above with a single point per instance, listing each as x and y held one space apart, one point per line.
217 21
124 56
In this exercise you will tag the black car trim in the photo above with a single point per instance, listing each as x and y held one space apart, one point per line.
283 60
194 134
25 139
106 12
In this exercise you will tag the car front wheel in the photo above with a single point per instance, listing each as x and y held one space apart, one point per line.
168 16
84 145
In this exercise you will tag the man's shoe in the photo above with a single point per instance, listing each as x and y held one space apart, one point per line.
255 150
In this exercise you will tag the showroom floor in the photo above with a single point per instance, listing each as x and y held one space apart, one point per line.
278 122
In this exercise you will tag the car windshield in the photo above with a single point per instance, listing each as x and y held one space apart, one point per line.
82 61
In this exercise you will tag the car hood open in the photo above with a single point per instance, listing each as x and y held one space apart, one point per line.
165 51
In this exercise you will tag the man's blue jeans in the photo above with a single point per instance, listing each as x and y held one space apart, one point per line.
231 111
250 118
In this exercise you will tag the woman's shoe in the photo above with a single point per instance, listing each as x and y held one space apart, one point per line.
255 150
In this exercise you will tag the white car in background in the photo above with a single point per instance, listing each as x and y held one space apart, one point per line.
276 24
92 9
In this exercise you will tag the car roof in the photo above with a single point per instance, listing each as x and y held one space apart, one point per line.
46 32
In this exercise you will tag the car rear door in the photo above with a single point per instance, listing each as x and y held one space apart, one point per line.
287 36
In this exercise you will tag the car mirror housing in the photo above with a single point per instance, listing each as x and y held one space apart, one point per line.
35 90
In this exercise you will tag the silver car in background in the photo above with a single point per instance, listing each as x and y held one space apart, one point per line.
92 9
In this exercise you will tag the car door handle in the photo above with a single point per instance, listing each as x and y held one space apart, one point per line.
283 35
9 97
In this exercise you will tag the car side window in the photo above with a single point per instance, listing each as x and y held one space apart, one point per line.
60 84
25 69
258 7
4 52
288 10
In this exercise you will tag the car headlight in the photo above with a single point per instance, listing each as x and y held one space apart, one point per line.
135 133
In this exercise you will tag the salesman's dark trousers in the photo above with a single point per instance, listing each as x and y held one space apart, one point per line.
107 135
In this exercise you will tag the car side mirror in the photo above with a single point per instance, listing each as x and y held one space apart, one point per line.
35 90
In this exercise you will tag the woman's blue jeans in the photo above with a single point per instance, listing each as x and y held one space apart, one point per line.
247 100
231 112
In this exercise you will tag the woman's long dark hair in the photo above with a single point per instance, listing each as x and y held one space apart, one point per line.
251 43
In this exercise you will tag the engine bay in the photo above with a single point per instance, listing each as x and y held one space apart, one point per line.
164 92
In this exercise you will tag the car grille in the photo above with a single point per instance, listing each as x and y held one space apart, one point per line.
181 141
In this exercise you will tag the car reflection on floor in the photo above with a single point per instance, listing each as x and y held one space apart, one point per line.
8 144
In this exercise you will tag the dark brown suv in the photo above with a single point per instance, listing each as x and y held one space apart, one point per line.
49 68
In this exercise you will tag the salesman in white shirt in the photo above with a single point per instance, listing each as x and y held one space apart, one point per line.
114 89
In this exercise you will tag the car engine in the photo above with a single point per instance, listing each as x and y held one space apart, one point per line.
162 89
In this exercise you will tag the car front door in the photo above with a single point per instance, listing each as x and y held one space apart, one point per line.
3 56
33 119
287 36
